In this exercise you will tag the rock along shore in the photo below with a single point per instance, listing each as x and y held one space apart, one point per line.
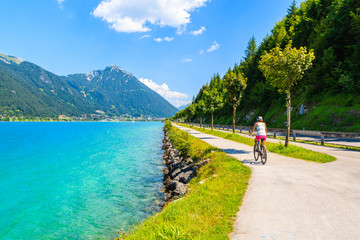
178 172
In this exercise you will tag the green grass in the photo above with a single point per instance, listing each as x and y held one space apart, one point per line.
319 144
299 152
290 151
208 209
330 111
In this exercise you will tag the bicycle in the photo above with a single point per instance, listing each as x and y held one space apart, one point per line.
260 151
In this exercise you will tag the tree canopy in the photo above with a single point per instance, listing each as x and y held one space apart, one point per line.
283 68
331 28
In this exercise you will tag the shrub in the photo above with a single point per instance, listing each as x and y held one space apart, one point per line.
182 143
167 125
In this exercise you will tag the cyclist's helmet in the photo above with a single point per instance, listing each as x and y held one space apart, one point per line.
259 118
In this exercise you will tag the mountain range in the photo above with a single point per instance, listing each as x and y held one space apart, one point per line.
27 89
182 107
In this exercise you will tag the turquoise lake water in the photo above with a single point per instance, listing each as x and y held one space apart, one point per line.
77 180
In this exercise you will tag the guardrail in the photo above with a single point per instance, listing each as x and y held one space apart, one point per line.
293 132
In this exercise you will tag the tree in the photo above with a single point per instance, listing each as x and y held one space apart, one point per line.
213 101
283 68
290 19
190 112
251 49
200 107
235 84
179 115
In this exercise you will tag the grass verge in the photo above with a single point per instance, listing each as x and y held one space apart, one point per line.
208 209
291 151
319 144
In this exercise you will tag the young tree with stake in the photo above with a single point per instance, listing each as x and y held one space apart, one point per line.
283 68
200 107
190 110
235 84
213 101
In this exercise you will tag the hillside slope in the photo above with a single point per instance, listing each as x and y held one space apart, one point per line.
120 93
28 90
327 98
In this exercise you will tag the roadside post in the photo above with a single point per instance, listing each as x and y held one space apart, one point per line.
322 139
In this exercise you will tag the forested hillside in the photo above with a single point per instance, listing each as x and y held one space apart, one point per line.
28 91
119 92
327 98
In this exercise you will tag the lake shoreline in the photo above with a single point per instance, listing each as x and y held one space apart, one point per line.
178 172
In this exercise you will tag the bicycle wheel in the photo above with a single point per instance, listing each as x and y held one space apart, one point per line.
264 154
256 153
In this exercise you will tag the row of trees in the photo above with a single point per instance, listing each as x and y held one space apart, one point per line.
233 84
282 69
331 28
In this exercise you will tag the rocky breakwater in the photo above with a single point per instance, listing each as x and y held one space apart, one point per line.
179 170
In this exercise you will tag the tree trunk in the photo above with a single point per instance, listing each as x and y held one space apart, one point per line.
288 102
212 121
201 120
234 117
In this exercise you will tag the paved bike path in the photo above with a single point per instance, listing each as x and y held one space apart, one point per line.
354 142
294 199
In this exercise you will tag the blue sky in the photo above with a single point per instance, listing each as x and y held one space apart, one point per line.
172 46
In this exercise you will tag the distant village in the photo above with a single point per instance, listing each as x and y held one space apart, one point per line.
98 116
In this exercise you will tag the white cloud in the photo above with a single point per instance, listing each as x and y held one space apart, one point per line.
176 98
179 103
144 36
181 30
213 47
186 60
198 32
136 15
167 39
60 3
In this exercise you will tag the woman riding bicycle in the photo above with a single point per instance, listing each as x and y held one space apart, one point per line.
261 130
